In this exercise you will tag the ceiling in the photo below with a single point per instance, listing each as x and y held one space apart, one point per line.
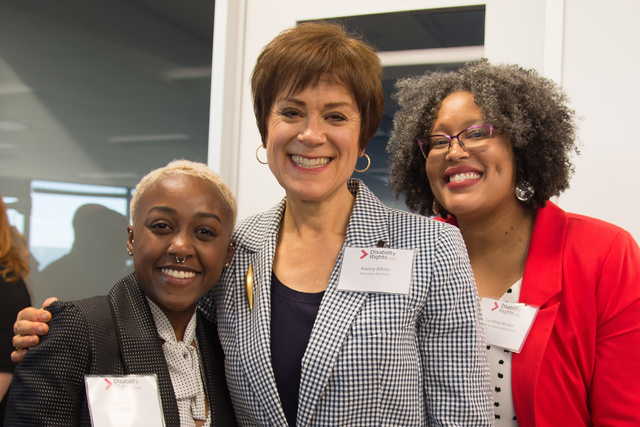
101 91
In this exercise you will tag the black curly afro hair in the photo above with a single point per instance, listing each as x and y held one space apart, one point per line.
529 109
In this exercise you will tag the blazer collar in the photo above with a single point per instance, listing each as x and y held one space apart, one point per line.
369 222
253 326
140 345
541 286
543 270
367 226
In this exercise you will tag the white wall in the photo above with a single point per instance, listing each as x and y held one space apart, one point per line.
588 46
601 74
592 51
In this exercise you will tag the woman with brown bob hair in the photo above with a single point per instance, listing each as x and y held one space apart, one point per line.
486 147
14 294
302 346
337 58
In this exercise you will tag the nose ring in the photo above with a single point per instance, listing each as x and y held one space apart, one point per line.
178 260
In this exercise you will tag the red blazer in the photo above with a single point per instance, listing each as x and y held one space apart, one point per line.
580 364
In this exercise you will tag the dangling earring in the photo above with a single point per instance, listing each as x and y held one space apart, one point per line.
368 164
257 157
435 207
524 192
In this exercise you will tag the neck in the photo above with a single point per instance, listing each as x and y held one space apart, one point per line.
310 238
327 216
179 321
498 246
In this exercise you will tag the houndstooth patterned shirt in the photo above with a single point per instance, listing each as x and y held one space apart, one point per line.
372 359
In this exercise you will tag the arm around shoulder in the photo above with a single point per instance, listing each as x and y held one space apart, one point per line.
48 385
30 323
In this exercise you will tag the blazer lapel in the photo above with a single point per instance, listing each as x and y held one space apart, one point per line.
367 226
212 358
254 325
541 284
140 345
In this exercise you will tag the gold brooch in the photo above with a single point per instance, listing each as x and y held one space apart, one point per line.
249 287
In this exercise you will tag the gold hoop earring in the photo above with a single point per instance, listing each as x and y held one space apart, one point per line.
368 164
257 157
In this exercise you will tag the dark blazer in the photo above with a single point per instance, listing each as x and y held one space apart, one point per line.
114 335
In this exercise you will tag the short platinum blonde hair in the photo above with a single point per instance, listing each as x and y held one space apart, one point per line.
188 168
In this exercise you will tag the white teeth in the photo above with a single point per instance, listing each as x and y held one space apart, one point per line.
306 163
178 274
462 176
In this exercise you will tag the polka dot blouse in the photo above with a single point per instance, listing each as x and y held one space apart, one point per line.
500 368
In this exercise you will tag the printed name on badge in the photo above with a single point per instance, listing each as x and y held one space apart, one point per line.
123 400
507 324
382 270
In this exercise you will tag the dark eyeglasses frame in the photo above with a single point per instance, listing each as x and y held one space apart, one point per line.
422 142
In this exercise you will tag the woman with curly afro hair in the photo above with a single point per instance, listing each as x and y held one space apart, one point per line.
485 147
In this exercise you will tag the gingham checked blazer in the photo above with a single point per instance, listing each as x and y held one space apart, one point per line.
115 335
372 359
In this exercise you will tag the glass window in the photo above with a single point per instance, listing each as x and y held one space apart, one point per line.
77 239
95 94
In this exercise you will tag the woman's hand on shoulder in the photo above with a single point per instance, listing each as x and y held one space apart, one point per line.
30 323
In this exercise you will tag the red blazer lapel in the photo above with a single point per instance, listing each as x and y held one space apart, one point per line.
541 285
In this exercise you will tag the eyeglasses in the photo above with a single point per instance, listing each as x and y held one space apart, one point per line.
472 140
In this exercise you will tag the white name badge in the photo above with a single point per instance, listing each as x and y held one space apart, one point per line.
507 324
124 400
381 270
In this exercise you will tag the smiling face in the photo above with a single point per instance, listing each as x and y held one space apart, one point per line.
185 217
471 185
312 141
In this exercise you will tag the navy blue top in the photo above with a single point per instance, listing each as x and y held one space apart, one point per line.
292 316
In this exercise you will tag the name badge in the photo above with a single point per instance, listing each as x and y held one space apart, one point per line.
507 324
381 270
124 400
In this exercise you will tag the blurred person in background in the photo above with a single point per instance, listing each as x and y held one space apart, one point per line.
95 257
14 295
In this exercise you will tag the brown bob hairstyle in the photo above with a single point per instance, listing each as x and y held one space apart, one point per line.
302 56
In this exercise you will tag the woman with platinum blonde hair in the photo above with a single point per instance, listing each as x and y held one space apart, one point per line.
180 240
